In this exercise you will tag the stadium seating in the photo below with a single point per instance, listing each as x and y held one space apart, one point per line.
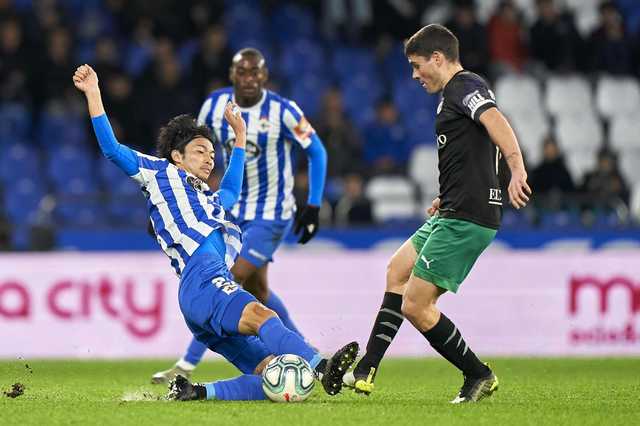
624 132
531 129
617 96
519 95
568 95
392 198
423 170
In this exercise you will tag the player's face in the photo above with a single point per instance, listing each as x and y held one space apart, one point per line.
198 158
426 72
248 75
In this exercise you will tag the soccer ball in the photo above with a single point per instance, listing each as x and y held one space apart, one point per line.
288 378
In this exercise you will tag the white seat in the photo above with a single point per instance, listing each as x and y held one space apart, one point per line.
630 167
634 204
579 132
531 129
423 169
580 162
617 96
569 95
624 133
586 13
392 197
518 95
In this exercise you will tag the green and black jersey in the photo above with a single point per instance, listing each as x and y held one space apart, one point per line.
467 158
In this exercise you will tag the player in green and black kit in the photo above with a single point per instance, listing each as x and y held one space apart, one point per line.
471 135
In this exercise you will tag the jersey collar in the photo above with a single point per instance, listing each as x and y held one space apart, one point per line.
257 105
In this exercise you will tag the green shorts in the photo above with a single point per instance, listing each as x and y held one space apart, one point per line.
447 250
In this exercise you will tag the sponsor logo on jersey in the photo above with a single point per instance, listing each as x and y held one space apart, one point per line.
475 100
495 196
442 141
252 150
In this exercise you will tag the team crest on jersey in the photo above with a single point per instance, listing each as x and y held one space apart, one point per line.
264 125
252 150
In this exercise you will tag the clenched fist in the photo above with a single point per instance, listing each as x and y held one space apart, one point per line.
85 79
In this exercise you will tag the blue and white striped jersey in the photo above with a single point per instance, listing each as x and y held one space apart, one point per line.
273 125
183 210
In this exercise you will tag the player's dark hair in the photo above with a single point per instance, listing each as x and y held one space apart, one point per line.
433 37
180 130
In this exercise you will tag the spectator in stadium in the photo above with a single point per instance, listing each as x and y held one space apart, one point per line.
210 66
507 39
474 51
610 47
551 179
15 63
107 56
55 67
353 208
605 187
340 136
386 149
554 40
119 95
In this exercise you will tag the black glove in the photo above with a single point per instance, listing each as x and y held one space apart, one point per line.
307 222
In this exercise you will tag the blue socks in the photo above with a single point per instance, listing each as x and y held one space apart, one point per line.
275 304
247 387
280 340
195 351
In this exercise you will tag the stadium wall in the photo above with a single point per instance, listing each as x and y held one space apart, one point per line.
124 305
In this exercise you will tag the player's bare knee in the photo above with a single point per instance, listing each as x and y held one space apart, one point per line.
253 316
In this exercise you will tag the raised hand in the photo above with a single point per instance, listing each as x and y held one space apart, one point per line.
234 118
85 79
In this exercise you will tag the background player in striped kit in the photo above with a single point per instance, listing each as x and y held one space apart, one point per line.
190 224
266 207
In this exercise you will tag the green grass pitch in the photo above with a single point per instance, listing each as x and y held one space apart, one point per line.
409 392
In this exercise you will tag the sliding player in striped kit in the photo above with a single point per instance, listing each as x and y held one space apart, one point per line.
190 226
266 207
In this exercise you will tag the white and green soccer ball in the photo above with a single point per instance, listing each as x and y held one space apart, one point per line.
288 378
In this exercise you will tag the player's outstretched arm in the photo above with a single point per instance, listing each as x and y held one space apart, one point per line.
503 136
231 182
86 80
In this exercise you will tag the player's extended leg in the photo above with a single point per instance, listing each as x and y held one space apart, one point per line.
247 387
249 317
184 366
387 322
419 307
257 285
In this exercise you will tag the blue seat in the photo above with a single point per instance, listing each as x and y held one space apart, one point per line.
77 186
22 199
301 58
307 91
360 95
55 129
292 22
127 211
421 127
15 122
20 160
67 162
79 212
350 61
395 65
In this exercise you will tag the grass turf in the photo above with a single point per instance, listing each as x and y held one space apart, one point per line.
409 392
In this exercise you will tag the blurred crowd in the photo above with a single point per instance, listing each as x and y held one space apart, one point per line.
341 60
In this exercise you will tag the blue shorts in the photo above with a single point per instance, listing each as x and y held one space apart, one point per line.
261 238
212 304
